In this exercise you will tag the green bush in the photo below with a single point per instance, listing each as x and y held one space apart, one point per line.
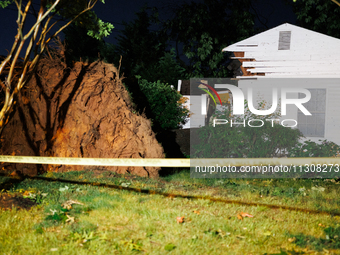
167 69
238 141
313 149
167 112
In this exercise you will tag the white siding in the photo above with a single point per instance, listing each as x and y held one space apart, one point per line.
309 54
196 118
332 111
262 89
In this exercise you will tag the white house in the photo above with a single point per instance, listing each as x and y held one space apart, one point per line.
197 119
294 57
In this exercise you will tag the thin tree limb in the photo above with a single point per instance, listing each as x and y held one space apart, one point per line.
336 2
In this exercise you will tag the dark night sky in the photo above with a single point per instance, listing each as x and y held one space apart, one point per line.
271 12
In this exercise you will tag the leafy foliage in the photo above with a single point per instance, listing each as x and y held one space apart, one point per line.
140 47
167 112
57 217
166 70
95 27
204 29
318 15
313 149
205 52
238 141
103 29
198 31
89 48
5 3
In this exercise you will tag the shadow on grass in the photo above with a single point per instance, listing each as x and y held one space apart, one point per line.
331 240
8 201
168 171
7 183
166 194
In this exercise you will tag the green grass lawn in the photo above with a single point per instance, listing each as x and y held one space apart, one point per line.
118 221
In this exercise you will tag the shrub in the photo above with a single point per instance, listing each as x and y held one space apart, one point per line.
167 69
164 102
313 149
224 141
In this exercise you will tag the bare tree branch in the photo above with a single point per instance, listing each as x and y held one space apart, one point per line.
39 40
336 2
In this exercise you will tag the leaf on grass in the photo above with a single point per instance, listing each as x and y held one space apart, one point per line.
132 245
267 233
29 194
321 225
197 212
243 214
169 247
88 236
222 233
180 219
53 211
291 240
239 216
125 184
68 204
26 193
63 189
69 219
104 237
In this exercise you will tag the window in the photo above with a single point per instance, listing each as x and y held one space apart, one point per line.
313 125
284 40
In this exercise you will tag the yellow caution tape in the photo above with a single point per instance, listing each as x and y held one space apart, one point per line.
156 162
263 161
168 162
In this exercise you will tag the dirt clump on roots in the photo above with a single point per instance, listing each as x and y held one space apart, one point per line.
80 111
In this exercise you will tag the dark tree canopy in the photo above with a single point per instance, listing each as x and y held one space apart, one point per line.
79 45
204 28
139 46
322 16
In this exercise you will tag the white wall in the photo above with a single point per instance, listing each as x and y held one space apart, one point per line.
196 118
262 89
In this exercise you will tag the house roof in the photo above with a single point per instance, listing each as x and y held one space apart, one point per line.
288 51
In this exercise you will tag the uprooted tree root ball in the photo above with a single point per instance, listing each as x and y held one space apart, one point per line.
83 111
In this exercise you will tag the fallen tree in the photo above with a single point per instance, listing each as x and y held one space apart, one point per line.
79 111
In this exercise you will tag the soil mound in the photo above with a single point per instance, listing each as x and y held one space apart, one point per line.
83 111
7 202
